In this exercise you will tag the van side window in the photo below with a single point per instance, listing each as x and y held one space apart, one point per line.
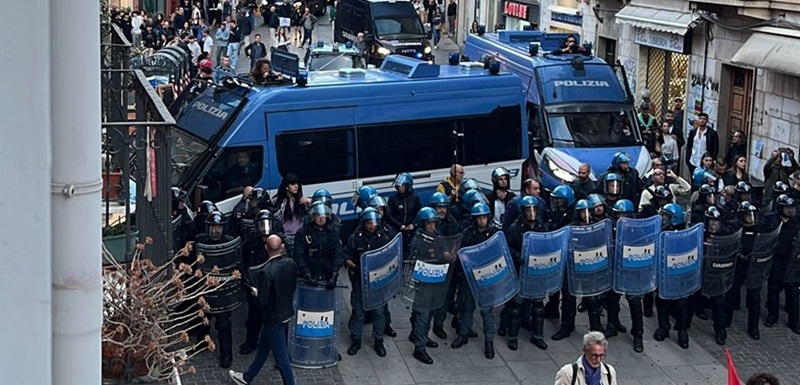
317 156
387 149
494 137
235 168
534 120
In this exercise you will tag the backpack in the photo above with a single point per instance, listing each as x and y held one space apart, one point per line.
575 372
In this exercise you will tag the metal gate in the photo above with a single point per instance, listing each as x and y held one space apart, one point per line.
666 79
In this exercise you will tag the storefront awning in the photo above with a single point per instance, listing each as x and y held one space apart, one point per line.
772 52
657 19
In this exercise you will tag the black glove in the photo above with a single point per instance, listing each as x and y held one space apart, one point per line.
309 280
331 284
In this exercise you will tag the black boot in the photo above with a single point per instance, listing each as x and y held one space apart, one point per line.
459 342
380 350
563 332
488 350
683 339
514 323
793 309
422 356
388 331
647 304
526 312
638 344
551 309
720 335
504 315
438 331
355 346
662 310
753 301
537 325
595 324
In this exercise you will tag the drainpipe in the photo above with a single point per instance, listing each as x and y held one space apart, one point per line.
709 35
25 198
76 200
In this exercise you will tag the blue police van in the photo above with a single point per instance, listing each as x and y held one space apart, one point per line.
580 108
342 129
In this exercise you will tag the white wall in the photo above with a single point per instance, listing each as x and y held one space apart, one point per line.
25 195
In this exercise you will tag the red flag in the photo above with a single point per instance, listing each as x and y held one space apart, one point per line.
733 376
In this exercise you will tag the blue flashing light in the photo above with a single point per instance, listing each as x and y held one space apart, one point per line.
454 58
348 45
320 44
302 78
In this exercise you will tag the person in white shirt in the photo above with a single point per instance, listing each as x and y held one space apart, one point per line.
589 368
136 28
208 43
195 48
669 147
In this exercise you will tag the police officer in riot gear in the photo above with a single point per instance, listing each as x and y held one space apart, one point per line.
215 224
561 214
632 183
368 236
480 231
324 196
379 203
623 208
242 223
583 217
206 207
707 197
254 255
519 310
598 208
183 227
661 196
423 249
785 267
672 221
744 193
613 188
716 225
462 211
319 253
777 189
363 195
448 225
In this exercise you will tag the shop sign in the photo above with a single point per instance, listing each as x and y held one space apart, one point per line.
567 18
520 11
657 39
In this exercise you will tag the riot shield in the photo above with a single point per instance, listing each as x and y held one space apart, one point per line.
248 224
759 262
680 262
635 268
719 263
489 271
220 261
314 330
588 269
380 273
543 256
429 270
791 273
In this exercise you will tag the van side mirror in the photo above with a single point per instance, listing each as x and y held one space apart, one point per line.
200 194
535 142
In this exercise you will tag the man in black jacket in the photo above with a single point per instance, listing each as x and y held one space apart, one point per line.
275 283
255 51
702 140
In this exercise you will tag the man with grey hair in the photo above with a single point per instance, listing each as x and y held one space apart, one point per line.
589 369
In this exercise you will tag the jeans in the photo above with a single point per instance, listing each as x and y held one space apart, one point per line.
356 323
468 306
219 52
451 25
437 35
273 338
233 53
306 36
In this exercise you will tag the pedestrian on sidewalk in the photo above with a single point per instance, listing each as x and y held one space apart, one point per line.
436 25
309 21
276 281
234 42
222 35
246 27
255 51
282 41
589 369
452 12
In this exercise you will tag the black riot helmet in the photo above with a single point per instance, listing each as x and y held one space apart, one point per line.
713 220
743 191
709 194
748 214
206 207
257 197
265 222
785 206
177 197
780 188
661 196
215 225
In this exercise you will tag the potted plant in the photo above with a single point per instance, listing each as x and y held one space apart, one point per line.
145 335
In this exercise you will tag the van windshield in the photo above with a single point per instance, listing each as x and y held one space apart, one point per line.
396 18
594 129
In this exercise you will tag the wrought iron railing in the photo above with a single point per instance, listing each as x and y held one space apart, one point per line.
136 149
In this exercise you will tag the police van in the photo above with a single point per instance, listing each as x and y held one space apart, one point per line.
580 108
389 27
342 129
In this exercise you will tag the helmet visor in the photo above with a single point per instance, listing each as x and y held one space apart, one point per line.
265 226
614 187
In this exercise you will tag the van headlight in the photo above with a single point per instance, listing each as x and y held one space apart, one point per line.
428 49
383 51
560 173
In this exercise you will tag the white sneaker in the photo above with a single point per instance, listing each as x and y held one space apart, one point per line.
436 47
237 377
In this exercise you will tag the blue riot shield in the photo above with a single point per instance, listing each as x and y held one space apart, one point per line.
588 268
381 273
680 262
314 330
543 256
489 271
635 268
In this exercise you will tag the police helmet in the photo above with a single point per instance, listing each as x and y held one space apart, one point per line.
707 189
743 191
594 200
177 197
479 209
748 214
498 173
702 176
257 195
378 201
582 204
467 185
319 208
713 213
405 179
619 158
370 215
613 184
787 205
322 195
426 214
475 196
582 210
624 206
530 207
661 196
215 224
563 192
780 187
265 222
673 213
363 195
439 199
206 207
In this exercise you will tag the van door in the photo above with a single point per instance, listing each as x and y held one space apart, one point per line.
318 145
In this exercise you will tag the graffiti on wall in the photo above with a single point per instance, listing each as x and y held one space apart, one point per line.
630 70
711 85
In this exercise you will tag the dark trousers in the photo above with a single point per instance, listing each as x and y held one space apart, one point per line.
306 36
679 308
273 338
253 323
792 292
222 324
440 314
635 304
